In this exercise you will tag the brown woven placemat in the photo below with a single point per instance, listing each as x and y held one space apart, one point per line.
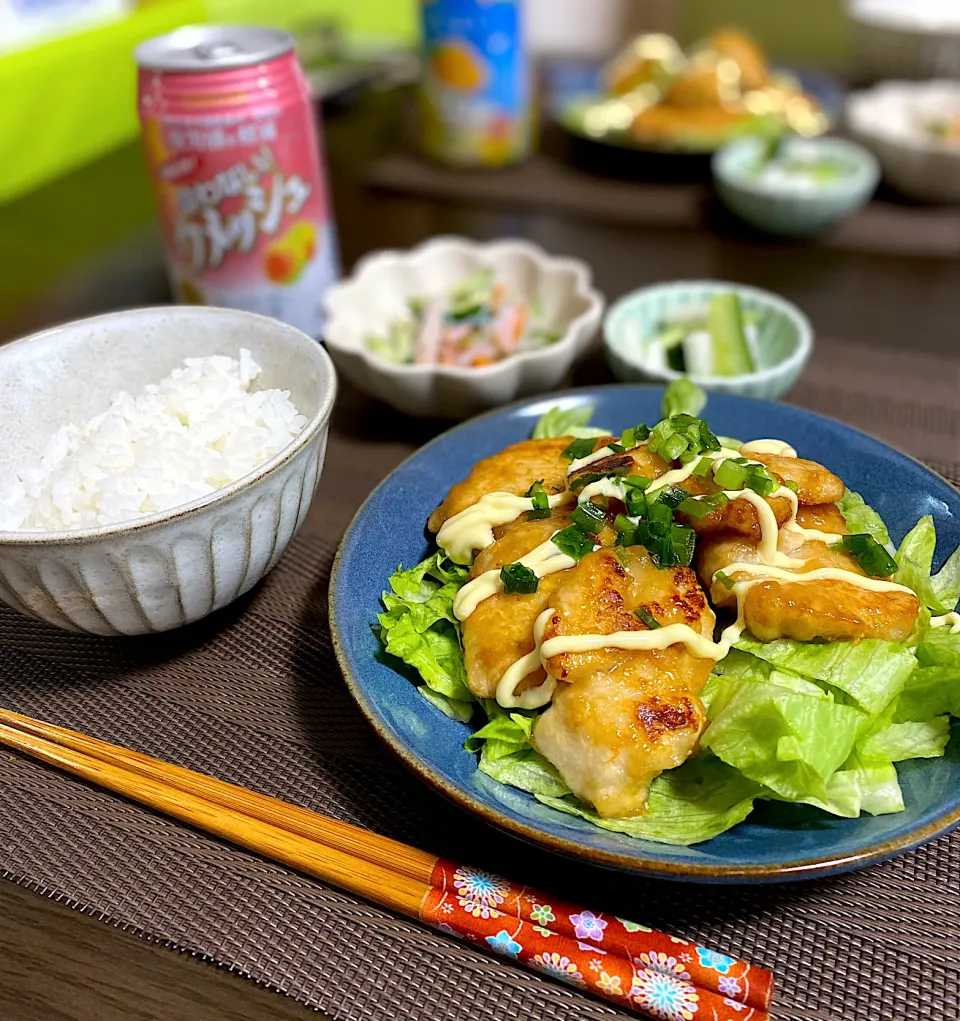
254 695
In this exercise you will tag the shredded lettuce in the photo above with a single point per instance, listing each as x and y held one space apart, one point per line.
566 422
689 804
939 592
683 397
814 723
862 518
861 787
789 741
419 628
933 688
871 672
924 739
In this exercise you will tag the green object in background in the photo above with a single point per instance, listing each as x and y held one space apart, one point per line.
73 99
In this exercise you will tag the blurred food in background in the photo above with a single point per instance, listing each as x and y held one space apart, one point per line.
475 95
914 130
657 96
231 144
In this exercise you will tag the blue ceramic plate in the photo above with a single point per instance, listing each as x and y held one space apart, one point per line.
777 842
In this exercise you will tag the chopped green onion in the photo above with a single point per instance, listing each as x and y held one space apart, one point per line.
623 524
730 475
574 542
647 617
672 447
541 502
869 554
632 437
637 481
724 579
761 481
517 578
695 508
682 435
579 448
635 501
617 448
684 542
621 555
673 497
791 485
702 467
589 517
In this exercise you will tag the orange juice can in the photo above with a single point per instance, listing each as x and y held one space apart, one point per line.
237 168
475 94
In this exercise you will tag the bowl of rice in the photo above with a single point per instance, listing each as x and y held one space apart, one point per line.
155 463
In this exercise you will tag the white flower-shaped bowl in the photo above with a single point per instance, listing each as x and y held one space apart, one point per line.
171 568
890 118
382 284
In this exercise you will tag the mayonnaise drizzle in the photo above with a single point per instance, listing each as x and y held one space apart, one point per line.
472 529
532 698
952 619
547 558
779 447
660 638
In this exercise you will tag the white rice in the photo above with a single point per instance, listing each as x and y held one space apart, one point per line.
198 430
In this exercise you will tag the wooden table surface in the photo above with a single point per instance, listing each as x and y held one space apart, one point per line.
57 965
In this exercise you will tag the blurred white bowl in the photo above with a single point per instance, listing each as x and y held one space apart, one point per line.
890 119
382 284
905 38
168 569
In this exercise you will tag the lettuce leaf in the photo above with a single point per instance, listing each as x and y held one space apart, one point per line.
861 787
526 769
946 582
566 422
924 739
688 805
788 741
683 397
862 518
933 688
419 627
914 558
871 672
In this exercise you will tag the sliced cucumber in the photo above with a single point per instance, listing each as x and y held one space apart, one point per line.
698 353
731 356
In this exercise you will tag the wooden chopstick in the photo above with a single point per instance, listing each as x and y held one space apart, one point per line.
395 875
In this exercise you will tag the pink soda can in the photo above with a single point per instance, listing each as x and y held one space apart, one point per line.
232 147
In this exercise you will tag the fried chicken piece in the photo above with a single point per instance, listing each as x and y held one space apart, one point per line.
828 609
500 629
513 470
621 717
815 484
822 517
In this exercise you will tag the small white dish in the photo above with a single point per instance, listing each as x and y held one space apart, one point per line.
167 569
382 284
890 119
782 348
905 38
